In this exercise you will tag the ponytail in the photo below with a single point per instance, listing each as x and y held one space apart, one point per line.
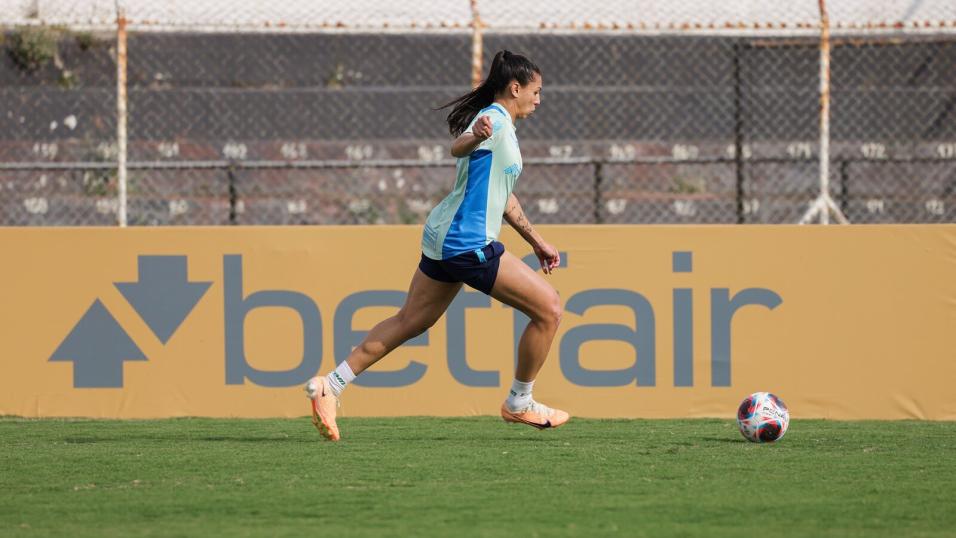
505 68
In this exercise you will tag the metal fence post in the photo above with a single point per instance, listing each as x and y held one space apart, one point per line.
598 178
477 46
823 205
844 185
233 194
738 135
121 114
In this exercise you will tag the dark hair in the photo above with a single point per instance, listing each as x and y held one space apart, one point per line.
504 68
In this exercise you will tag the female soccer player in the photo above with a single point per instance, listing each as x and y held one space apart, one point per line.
459 245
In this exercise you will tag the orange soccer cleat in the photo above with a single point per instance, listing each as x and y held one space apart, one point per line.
324 404
538 415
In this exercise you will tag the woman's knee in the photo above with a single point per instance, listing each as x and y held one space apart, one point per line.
551 311
557 309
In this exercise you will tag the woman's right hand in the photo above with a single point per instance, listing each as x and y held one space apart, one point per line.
482 128
468 141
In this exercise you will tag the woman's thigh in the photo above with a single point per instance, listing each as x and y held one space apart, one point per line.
428 298
519 286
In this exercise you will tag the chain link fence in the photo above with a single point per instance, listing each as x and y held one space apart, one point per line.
324 112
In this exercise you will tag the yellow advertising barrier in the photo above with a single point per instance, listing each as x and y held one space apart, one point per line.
660 321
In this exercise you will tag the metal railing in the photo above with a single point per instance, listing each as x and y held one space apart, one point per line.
689 112
579 190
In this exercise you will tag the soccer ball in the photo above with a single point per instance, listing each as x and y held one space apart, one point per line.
763 418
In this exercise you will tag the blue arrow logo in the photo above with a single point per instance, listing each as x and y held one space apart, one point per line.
163 297
97 346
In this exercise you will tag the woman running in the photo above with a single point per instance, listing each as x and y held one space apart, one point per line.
459 245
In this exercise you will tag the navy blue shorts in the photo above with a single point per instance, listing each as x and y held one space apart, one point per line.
478 268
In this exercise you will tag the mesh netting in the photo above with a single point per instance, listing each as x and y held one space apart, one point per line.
324 112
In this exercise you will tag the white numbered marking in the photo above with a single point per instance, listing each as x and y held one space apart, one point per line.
751 207
685 208
294 150
800 150
548 206
178 207
46 151
936 207
36 206
685 151
106 206
235 150
616 206
359 206
296 207
875 205
873 150
745 150
564 151
169 149
418 205
625 151
107 150
358 152
430 153
947 150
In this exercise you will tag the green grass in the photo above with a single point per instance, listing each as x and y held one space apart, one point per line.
473 477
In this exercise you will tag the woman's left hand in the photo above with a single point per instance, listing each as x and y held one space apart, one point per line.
548 256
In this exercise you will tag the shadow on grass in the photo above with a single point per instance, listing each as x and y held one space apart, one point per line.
724 440
187 438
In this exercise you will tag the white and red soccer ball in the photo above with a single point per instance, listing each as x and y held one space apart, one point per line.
763 418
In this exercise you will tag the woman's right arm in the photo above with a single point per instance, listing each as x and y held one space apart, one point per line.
467 142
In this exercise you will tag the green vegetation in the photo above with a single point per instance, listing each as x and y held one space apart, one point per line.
33 47
473 477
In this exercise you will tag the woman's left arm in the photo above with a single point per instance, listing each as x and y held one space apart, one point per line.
547 255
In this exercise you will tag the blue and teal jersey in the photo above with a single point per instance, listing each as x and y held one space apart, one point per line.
470 217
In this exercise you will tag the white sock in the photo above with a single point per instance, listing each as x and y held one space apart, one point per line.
340 378
520 395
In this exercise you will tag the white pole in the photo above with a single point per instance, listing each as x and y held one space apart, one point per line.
121 114
824 203
824 107
477 46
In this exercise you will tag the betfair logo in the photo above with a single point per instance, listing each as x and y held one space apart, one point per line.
164 297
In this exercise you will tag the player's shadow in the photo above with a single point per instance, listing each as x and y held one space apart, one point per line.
250 439
92 440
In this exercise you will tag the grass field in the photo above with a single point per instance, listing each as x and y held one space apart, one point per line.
474 477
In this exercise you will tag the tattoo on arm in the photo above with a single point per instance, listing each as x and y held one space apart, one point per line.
522 223
517 219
